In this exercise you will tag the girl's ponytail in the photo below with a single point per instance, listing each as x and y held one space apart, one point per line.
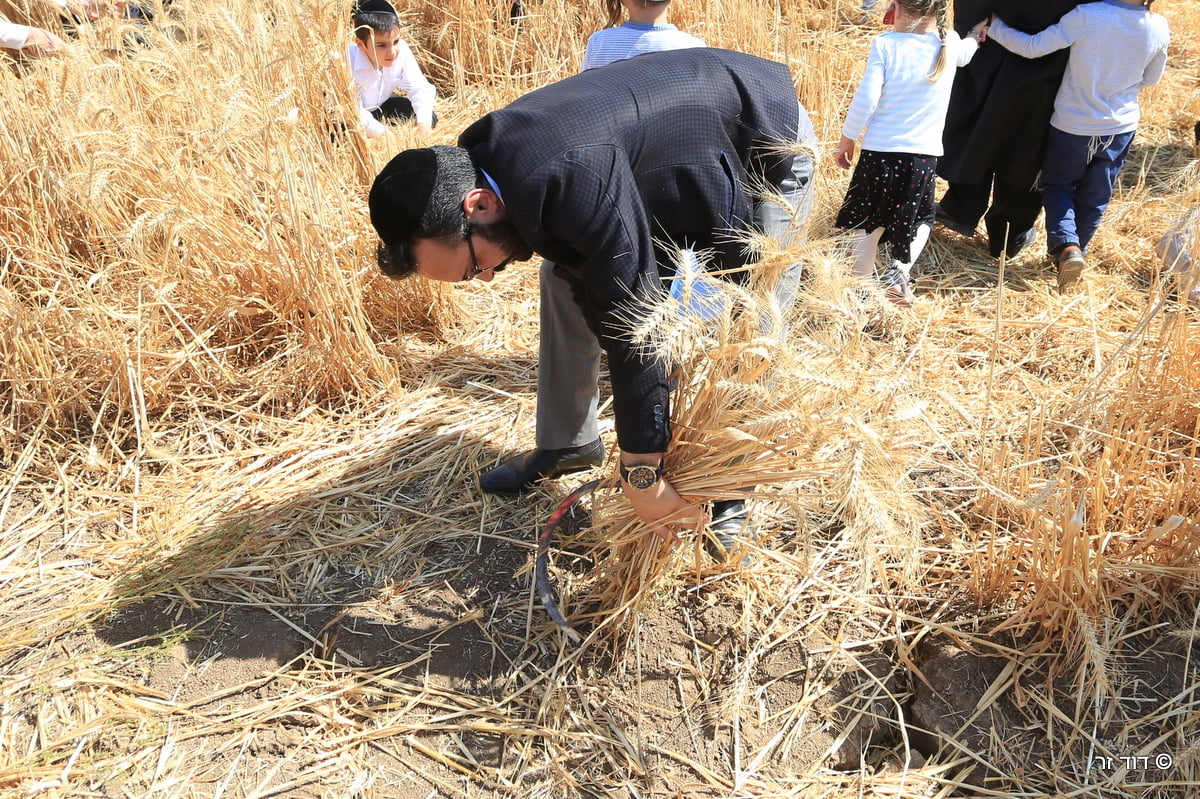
939 9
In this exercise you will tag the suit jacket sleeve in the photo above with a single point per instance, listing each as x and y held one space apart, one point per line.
591 214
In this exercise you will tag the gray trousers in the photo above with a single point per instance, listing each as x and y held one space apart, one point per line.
568 391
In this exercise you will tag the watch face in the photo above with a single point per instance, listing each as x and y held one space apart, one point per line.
642 477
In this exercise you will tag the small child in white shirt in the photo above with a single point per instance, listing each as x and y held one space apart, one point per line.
381 63
901 105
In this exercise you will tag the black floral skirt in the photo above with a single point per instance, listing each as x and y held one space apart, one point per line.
893 191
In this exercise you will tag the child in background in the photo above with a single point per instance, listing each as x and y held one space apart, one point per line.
1179 248
381 63
30 40
1116 49
901 104
646 31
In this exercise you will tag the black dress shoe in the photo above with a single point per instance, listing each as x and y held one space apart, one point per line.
1016 243
950 223
729 528
521 471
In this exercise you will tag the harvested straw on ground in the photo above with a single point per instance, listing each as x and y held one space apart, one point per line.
242 552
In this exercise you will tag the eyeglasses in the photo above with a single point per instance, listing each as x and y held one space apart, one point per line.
475 269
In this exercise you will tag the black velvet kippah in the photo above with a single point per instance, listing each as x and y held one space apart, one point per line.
400 194
374 7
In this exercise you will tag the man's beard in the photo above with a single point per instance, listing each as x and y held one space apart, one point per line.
504 235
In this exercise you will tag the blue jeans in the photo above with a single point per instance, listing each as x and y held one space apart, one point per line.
1078 174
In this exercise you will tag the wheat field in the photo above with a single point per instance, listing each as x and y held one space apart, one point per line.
243 553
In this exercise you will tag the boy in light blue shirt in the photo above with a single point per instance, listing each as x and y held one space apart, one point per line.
646 31
1116 48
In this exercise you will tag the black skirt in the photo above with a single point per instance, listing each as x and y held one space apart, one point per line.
893 191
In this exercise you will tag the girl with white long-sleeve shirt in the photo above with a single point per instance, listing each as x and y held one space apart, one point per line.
901 105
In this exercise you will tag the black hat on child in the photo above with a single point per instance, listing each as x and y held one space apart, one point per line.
374 7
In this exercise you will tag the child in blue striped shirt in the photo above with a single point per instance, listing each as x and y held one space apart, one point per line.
1116 48
646 31
901 105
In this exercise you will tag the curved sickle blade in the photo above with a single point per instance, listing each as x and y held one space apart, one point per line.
541 573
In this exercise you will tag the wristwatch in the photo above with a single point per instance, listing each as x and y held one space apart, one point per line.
643 476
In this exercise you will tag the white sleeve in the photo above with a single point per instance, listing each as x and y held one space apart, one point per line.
967 47
372 127
421 93
13 36
866 98
1155 69
1051 40
589 59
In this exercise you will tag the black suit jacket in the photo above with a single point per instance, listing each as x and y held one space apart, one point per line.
592 169
1001 103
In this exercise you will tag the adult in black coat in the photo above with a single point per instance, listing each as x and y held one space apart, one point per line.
594 173
996 127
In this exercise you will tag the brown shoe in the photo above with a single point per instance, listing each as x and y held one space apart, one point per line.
1070 268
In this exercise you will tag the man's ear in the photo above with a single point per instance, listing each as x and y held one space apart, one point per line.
483 206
